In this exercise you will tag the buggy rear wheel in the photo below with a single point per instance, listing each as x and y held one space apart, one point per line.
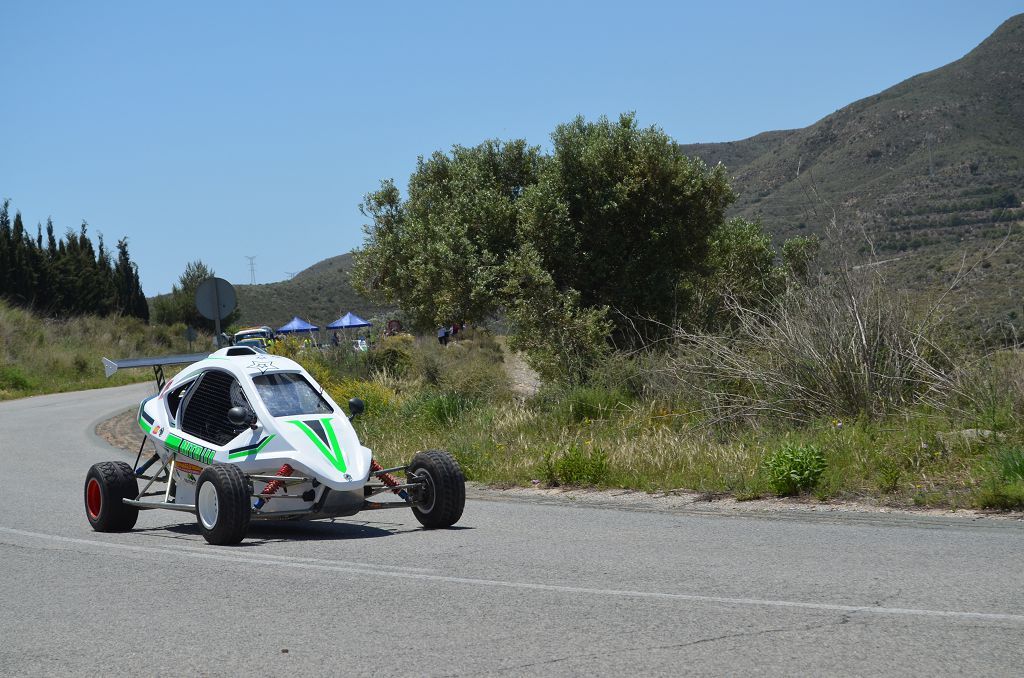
222 504
443 496
106 484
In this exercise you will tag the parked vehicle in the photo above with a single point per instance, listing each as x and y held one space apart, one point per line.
263 335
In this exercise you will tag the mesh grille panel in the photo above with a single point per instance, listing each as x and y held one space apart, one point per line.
206 415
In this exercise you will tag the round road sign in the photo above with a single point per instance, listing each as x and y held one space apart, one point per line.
215 298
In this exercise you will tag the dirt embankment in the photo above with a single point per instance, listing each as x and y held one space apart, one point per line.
123 432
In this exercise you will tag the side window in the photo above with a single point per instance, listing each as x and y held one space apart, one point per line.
175 396
205 413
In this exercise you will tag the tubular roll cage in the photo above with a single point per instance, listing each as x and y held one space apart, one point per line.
167 469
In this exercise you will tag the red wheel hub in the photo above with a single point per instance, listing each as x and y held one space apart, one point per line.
93 498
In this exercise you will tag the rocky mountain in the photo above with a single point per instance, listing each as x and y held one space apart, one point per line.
923 174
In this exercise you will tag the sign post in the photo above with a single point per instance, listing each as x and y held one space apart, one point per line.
215 299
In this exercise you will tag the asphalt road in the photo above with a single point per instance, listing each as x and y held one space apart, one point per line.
519 588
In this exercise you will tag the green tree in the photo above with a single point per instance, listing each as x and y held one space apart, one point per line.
620 214
129 298
65 277
6 248
441 253
180 305
562 339
610 234
743 270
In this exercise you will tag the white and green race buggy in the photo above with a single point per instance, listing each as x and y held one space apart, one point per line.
244 435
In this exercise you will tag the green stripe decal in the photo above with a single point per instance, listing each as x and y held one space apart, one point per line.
333 454
253 451
143 424
190 449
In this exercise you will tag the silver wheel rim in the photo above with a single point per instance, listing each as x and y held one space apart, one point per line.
424 473
208 505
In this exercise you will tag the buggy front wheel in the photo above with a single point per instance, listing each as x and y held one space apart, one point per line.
222 504
442 495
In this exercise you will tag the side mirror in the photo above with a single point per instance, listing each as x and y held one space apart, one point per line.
239 416
356 406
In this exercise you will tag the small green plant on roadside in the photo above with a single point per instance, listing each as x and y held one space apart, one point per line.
549 469
575 467
12 378
1004 488
890 473
1011 463
793 468
929 499
1000 496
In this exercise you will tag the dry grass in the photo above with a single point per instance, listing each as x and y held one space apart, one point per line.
48 355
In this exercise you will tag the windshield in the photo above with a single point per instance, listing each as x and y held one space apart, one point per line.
287 394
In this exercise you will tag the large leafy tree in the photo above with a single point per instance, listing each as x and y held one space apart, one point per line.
600 238
440 253
619 214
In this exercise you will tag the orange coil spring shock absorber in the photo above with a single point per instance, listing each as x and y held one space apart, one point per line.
387 479
274 485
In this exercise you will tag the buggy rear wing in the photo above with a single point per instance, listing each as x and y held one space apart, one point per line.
112 366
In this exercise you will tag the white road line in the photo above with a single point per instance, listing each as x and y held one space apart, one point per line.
222 555
333 563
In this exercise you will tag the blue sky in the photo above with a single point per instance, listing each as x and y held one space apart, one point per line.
220 130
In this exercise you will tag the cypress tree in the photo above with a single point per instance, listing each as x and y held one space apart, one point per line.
66 276
5 248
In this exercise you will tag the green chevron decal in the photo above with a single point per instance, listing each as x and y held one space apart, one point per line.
327 444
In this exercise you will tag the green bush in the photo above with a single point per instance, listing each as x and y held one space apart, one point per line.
583 403
437 409
375 396
12 379
575 467
1001 496
1011 463
793 468
394 354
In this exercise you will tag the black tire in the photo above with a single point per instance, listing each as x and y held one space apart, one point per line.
442 500
224 508
106 484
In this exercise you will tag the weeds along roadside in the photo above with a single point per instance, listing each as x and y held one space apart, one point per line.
40 355
681 418
643 423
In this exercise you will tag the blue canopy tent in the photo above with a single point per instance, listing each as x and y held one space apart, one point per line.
297 324
346 321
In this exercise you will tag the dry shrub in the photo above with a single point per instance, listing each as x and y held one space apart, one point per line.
833 350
